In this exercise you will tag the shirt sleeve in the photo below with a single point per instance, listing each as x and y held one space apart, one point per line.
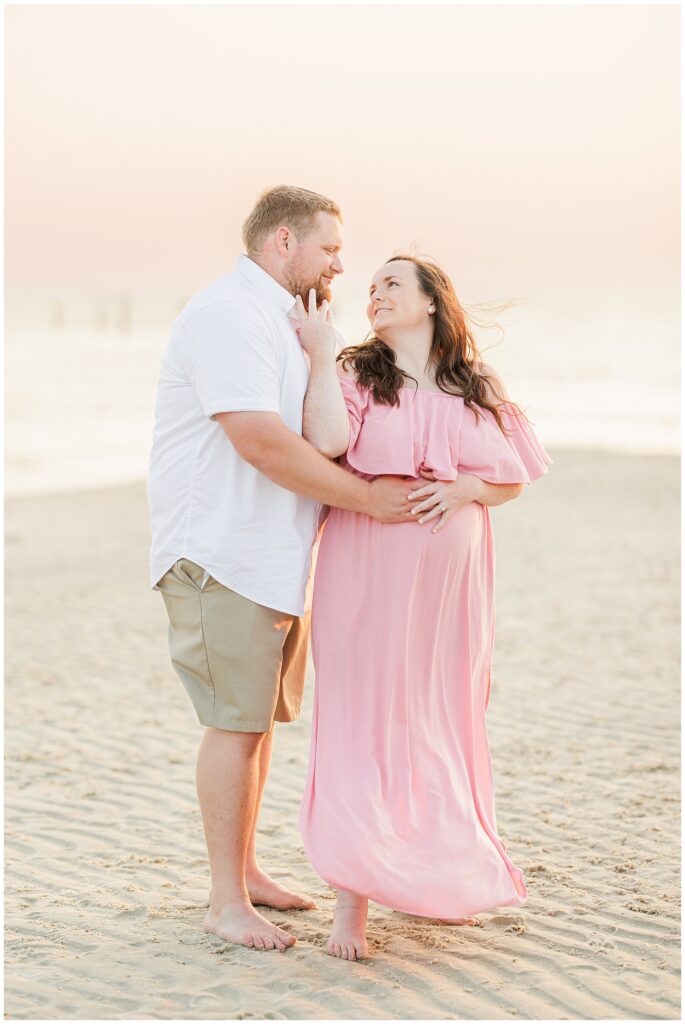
233 360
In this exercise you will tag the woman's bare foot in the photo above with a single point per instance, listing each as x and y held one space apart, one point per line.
239 922
264 891
348 936
461 920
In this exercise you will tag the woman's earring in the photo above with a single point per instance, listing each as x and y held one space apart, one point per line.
431 309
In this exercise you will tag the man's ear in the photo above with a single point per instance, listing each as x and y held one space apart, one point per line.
283 240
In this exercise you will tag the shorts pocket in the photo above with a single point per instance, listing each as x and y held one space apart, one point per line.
190 572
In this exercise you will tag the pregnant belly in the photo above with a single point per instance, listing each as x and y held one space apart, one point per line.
381 586
351 538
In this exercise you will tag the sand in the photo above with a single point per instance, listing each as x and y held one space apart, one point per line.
105 860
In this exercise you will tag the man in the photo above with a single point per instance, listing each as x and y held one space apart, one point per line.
235 495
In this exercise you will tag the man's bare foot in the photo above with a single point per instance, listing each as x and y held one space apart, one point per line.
461 920
348 936
239 922
265 892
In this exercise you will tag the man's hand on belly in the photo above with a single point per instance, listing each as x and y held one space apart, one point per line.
389 502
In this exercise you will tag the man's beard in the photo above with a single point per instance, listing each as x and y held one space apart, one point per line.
322 288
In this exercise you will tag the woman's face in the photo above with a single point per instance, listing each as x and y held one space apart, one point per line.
395 299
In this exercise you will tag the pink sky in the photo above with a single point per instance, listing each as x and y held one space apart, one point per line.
522 145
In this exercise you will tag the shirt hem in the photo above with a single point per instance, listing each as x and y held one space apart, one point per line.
285 607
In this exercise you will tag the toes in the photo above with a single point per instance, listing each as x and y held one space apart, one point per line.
268 942
347 950
248 941
298 902
285 937
258 942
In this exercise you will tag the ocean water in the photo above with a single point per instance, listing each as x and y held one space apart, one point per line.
79 405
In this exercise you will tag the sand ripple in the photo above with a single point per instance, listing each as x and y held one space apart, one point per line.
106 873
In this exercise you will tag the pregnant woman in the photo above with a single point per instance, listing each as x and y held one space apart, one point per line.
399 803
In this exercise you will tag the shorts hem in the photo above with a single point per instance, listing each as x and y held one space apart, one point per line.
241 725
238 726
291 718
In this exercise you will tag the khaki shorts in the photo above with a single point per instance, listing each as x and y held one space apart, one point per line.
242 664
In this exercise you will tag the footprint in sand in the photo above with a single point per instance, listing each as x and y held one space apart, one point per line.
134 914
510 922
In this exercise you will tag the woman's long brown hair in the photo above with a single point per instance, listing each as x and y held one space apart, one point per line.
454 354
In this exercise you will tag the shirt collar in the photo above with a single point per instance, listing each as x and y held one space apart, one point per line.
267 286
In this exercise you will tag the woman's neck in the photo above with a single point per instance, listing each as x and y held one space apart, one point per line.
412 353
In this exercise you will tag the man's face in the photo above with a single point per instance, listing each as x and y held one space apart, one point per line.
316 259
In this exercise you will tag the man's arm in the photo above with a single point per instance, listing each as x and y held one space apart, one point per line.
263 440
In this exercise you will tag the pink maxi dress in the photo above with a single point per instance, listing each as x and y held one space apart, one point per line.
399 802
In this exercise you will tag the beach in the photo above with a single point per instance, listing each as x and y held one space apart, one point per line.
106 873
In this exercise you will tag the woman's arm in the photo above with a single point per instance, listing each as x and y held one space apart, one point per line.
443 497
498 494
325 423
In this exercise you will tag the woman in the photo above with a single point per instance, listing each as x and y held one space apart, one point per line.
399 802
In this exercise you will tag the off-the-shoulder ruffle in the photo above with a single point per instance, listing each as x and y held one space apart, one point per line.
513 457
438 433
401 440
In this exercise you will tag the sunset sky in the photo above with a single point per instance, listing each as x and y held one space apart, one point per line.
525 147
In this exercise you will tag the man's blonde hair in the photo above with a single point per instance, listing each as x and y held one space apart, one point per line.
288 206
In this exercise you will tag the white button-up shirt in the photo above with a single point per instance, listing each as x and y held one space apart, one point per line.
232 349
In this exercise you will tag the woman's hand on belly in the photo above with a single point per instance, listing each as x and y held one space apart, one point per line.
444 497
